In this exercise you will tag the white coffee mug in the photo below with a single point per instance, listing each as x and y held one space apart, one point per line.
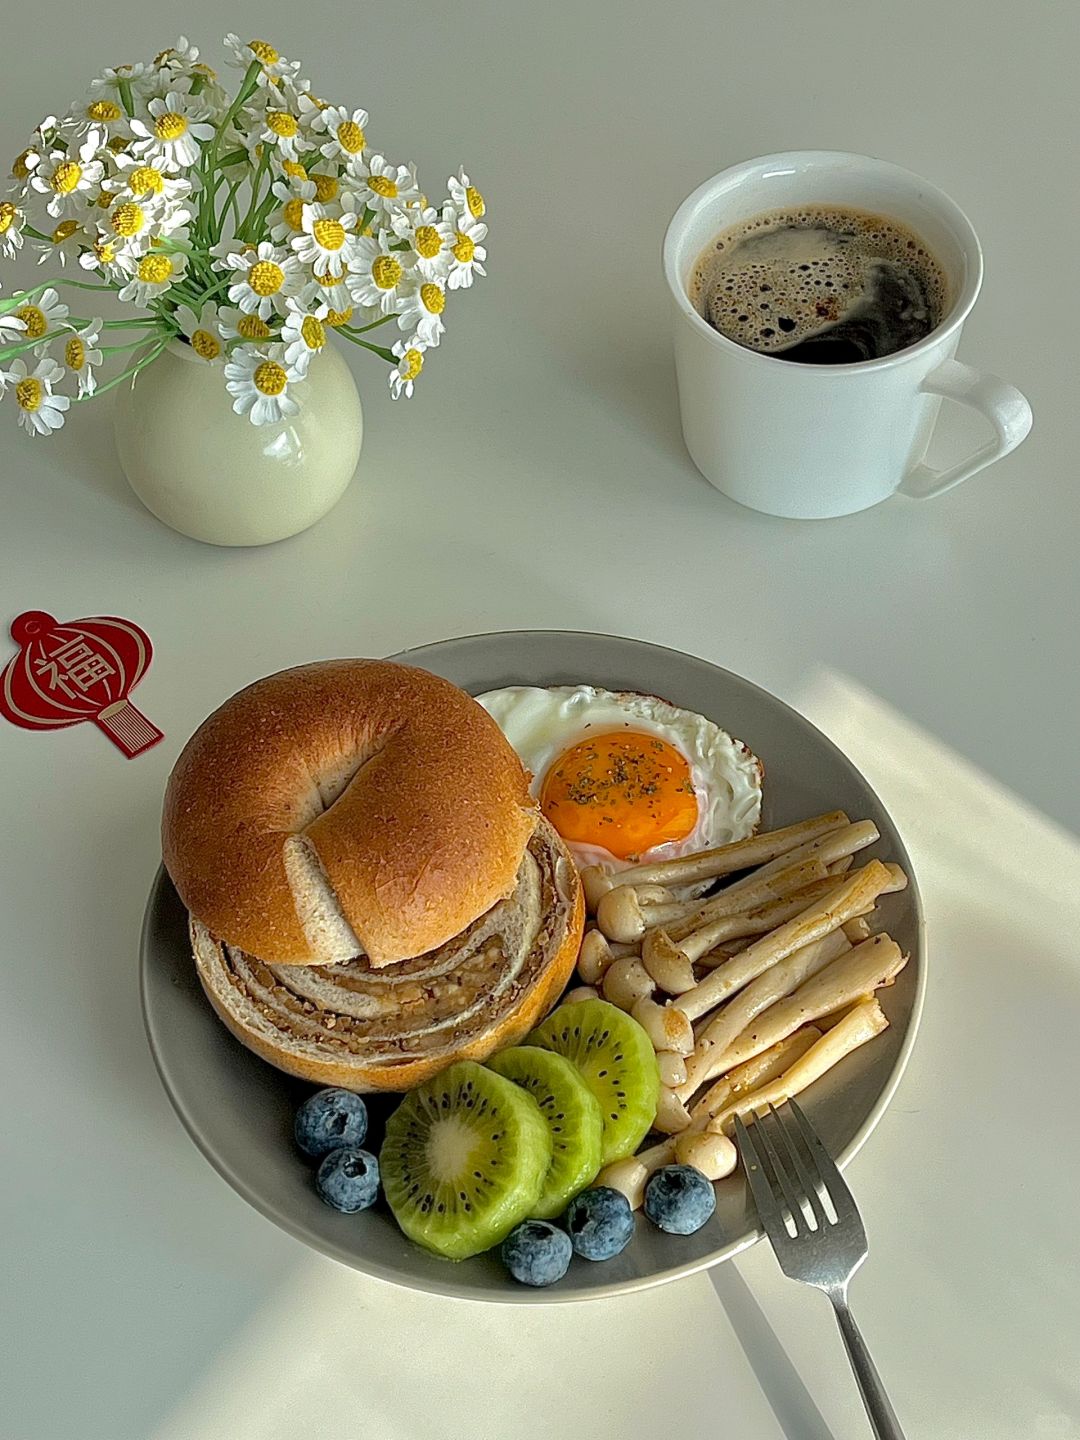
810 441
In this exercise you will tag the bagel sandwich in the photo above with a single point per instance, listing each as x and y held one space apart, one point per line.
372 892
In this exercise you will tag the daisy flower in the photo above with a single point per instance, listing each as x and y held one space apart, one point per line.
309 109
266 278
176 129
150 276
385 187
236 325
328 289
102 112
288 221
281 129
377 276
260 380
345 132
429 234
55 249
420 310
40 411
403 376
465 196
102 256
45 313
467 249
328 236
303 335
144 177
111 79
81 355
181 56
12 221
68 177
274 66
200 329
11 328
24 165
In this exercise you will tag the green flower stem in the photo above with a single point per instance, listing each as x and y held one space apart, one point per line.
380 350
126 98
37 234
127 374
134 345
232 157
256 199
363 329
251 78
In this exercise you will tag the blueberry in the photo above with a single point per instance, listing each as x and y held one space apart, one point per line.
536 1253
679 1199
348 1178
330 1118
600 1223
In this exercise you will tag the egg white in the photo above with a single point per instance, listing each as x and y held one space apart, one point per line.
542 724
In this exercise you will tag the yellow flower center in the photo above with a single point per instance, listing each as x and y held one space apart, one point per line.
145 180
433 298
103 110
428 241
386 272
105 251
314 335
329 233
7 216
270 378
281 123
28 393
382 185
292 212
334 318
475 202
266 278
326 188
127 219
350 137
104 200
204 70
250 327
64 231
75 353
294 169
412 362
170 126
34 319
205 345
264 52
329 278
464 248
66 177
19 168
155 269
117 144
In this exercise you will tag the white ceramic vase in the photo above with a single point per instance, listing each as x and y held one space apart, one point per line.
211 474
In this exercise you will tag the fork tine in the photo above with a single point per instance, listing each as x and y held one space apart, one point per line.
783 1178
834 1183
761 1186
806 1180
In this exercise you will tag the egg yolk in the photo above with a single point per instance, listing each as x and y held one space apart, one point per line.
626 792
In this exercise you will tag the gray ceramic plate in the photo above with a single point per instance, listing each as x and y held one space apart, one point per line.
239 1111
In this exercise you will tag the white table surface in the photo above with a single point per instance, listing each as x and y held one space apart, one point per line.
540 481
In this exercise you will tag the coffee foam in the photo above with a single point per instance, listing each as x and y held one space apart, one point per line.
786 275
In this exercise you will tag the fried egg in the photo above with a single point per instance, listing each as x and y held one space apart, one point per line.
627 778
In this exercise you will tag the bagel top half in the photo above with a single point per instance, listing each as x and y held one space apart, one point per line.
344 808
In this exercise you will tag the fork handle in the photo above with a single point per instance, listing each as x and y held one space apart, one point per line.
882 1416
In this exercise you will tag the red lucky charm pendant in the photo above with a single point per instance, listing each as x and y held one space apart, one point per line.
84 670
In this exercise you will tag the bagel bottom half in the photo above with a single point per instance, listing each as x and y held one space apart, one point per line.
391 1028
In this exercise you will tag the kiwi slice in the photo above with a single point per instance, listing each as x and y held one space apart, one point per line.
572 1114
615 1058
464 1159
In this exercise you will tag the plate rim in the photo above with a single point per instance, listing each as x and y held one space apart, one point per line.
284 1219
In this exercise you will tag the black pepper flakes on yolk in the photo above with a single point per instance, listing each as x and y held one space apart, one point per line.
626 792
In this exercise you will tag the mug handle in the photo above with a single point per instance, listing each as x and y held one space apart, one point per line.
1003 405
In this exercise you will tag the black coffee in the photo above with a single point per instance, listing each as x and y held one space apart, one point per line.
825 285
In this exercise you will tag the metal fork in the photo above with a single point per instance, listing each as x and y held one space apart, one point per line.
794 1192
